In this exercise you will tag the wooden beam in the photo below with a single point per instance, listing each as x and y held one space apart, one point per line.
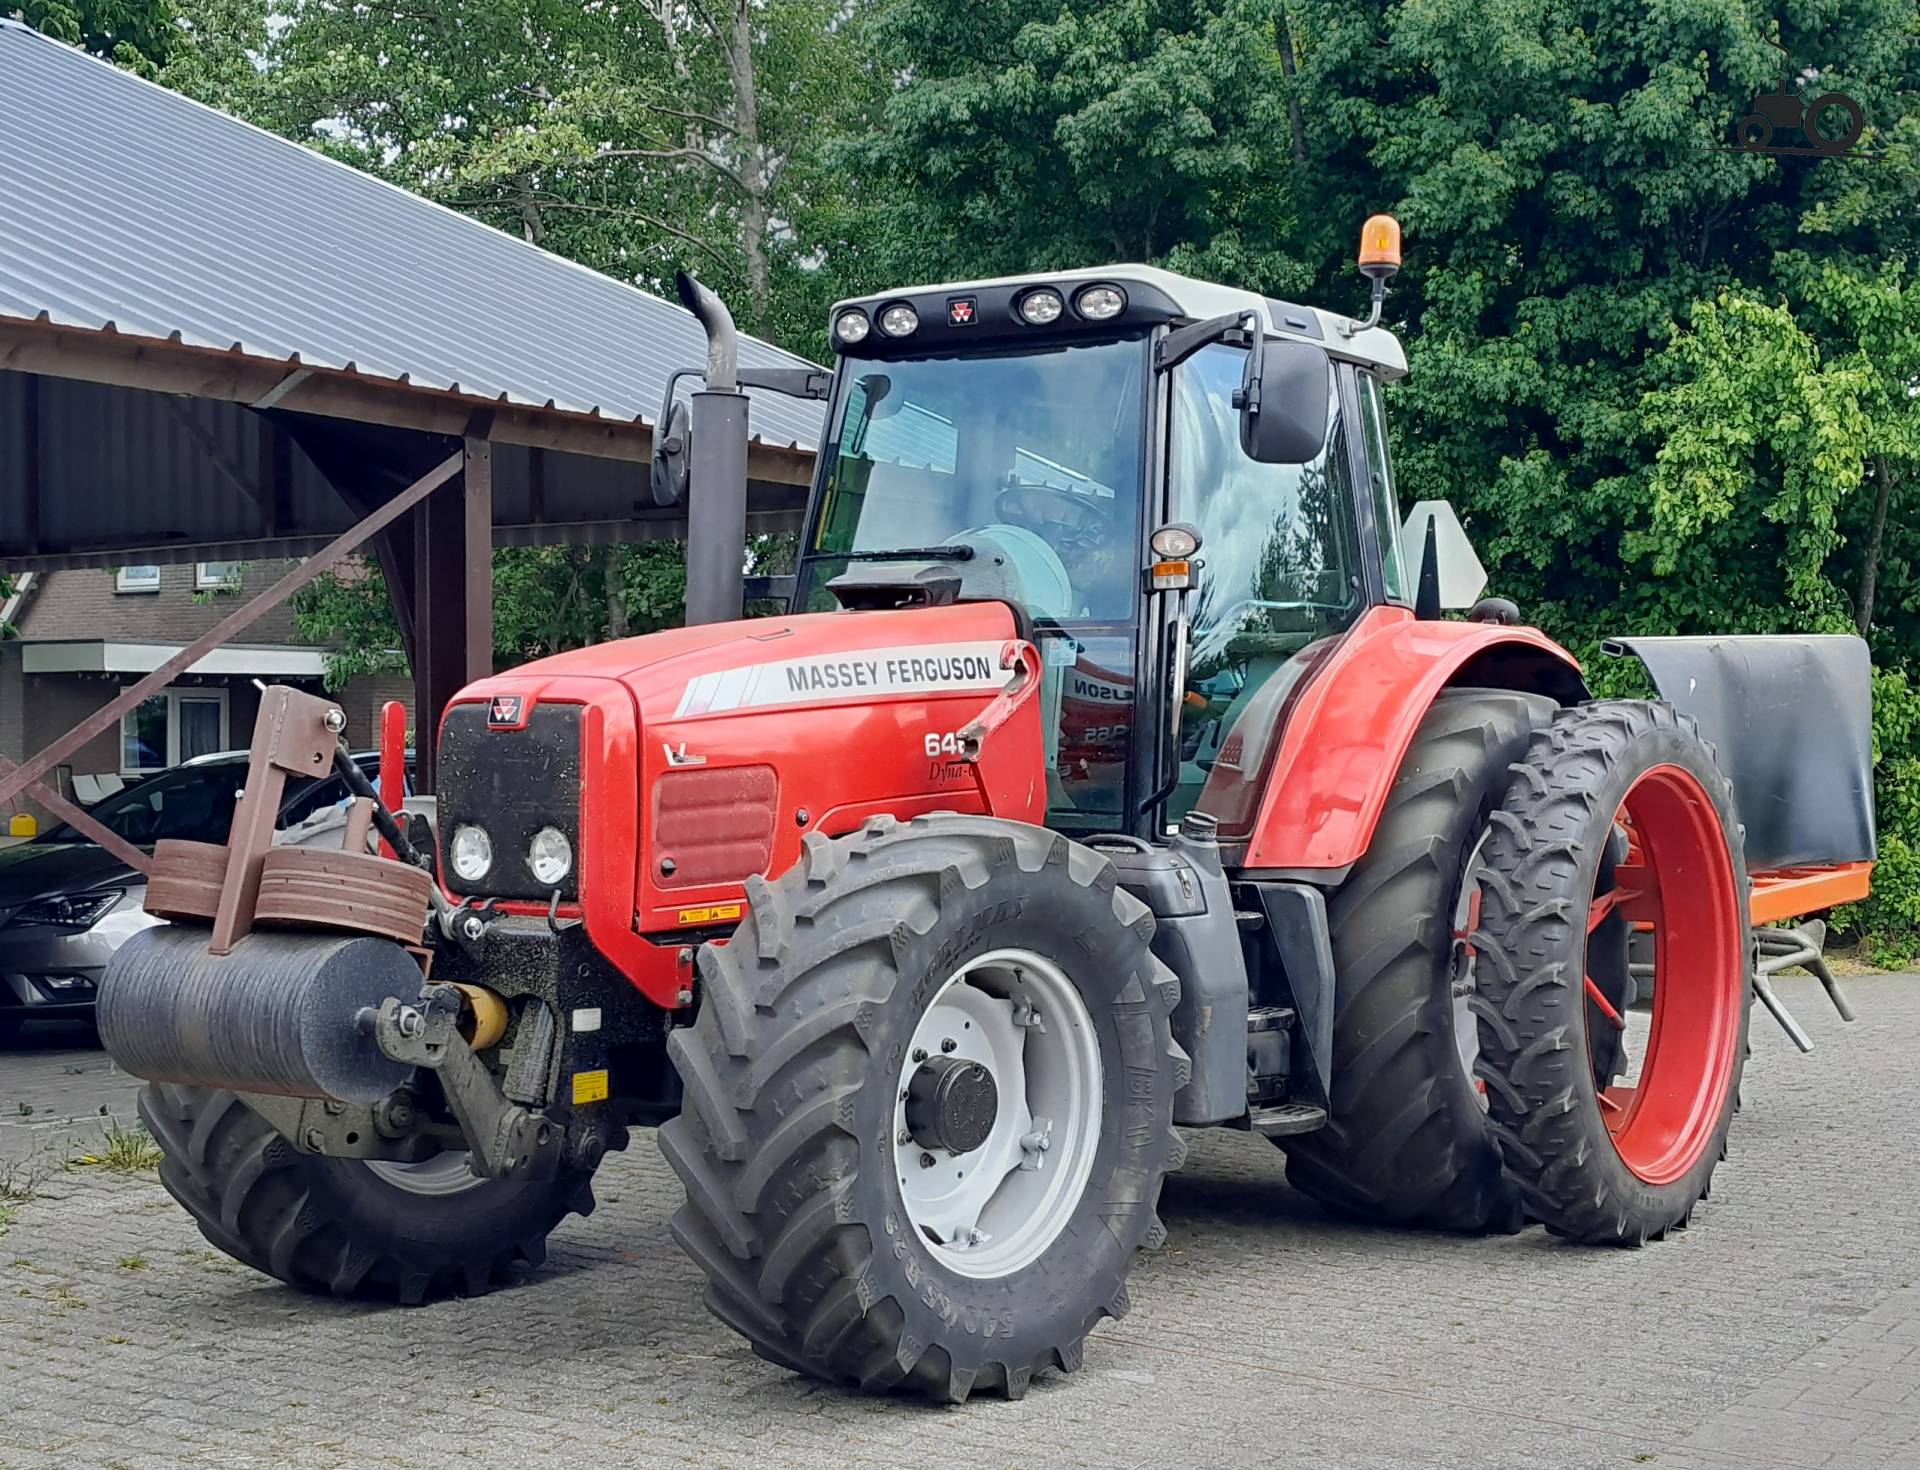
164 366
477 534
108 715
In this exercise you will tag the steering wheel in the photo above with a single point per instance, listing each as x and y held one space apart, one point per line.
1068 521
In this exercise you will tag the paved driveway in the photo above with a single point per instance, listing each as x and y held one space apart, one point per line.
1782 1330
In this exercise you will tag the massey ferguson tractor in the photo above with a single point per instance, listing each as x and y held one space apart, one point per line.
1111 770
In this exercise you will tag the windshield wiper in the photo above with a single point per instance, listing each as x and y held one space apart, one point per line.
960 552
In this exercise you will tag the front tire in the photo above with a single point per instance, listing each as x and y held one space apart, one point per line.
346 1227
823 1025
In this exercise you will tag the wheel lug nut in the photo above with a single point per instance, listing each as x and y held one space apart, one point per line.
926 1161
948 1044
919 1053
904 1138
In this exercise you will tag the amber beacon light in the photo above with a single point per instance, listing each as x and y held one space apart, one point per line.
1379 260
1380 247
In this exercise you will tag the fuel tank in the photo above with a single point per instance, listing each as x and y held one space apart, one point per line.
676 765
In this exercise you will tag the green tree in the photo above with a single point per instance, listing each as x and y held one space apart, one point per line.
137 34
635 139
1034 133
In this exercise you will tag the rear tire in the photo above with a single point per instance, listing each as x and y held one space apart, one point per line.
335 1226
798 1206
1613 1165
1408 1141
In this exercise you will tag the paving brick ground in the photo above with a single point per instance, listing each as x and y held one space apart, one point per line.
1782 1331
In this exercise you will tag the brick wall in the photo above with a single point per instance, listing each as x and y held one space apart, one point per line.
85 604
361 700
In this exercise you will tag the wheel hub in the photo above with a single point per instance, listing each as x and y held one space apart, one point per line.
952 1104
998 1113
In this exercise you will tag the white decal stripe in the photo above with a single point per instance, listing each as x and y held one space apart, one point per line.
848 675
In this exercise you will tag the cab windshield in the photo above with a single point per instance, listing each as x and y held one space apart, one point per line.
1025 469
1031 456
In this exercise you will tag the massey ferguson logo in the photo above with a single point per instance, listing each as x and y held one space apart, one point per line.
504 712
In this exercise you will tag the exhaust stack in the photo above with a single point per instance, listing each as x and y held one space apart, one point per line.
716 469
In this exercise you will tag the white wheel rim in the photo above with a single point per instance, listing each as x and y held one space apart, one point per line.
443 1174
996 1209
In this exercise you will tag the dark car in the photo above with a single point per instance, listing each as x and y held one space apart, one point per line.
66 903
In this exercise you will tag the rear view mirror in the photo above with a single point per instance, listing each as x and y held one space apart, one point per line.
1283 403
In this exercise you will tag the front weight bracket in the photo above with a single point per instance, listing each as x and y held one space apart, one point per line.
508 1141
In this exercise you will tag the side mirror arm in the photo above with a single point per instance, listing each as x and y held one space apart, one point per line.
794 382
1238 327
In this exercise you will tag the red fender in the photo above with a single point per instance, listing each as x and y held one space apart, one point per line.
1351 725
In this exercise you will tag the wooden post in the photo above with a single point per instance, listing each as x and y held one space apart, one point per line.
478 475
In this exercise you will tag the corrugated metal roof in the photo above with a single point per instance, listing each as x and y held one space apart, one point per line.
131 207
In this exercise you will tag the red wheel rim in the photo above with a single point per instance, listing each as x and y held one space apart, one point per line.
1679 880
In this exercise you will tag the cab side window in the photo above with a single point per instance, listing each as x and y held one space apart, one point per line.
1386 504
1281 576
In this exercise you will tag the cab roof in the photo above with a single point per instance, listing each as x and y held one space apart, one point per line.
1154 297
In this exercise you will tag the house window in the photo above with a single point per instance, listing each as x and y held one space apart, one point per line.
216 576
137 579
172 726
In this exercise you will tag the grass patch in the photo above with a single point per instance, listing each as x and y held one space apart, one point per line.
124 1151
133 1263
20 1179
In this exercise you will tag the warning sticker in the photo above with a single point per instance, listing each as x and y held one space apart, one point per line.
589 1087
941 668
713 913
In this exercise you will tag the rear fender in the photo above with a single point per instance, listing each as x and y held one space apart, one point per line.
1791 722
1351 726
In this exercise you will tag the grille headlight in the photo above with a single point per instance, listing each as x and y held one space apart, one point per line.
470 852
550 856
1041 308
1100 303
851 327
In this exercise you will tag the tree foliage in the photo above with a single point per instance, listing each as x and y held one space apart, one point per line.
138 34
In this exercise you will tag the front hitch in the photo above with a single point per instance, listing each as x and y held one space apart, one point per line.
508 1141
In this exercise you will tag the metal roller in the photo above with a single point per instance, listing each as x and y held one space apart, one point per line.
278 1015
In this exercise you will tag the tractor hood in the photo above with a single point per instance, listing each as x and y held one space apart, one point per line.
681 763
806 660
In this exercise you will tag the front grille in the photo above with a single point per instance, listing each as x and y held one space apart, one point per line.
512 783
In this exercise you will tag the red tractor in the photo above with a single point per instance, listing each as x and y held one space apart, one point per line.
1111 772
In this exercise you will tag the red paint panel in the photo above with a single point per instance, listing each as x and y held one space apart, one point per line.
680 702
1350 727
714 823
393 760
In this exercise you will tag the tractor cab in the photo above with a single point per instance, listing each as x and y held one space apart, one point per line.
1182 487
